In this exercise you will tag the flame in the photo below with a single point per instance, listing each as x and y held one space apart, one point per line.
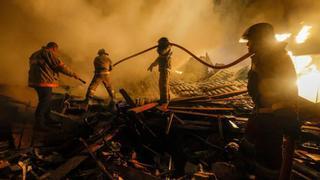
309 84
178 72
303 34
282 37
300 62
279 37
241 40
308 77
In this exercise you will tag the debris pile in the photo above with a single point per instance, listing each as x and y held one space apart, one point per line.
198 136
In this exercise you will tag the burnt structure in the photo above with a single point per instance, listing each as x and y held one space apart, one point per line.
198 136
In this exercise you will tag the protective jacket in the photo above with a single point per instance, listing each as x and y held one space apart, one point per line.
164 59
45 67
102 64
272 78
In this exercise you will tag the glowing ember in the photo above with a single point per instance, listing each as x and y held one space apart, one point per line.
282 37
303 34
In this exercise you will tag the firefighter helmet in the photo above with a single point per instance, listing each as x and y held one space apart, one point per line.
259 31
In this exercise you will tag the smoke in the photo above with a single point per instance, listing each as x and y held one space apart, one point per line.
125 27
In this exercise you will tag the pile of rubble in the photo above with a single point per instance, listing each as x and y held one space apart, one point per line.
199 136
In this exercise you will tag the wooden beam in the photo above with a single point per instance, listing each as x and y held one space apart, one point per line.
229 94
143 108
201 108
127 98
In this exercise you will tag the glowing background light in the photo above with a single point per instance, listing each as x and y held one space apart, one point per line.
308 77
282 37
303 34
178 72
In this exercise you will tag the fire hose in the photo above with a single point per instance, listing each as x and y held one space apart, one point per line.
242 58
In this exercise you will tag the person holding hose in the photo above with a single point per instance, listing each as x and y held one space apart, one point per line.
163 61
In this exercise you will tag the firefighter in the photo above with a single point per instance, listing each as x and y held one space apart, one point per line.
103 67
164 63
45 67
272 86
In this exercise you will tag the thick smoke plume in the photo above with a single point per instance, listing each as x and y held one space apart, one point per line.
81 27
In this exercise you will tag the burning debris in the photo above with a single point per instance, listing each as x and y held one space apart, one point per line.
212 121
196 137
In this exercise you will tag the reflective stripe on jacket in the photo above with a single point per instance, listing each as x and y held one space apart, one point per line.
45 67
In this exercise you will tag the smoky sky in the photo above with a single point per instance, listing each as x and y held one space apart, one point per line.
81 27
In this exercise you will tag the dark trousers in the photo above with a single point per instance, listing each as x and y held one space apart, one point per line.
43 108
7 117
266 132
164 86
96 81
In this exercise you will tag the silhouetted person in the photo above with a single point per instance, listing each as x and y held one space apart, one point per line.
103 66
164 63
45 67
272 86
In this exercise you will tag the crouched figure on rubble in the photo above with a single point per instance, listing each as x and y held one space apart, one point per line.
45 67
103 67
164 63
272 86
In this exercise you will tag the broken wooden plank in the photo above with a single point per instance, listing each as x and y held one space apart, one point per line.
127 98
143 108
98 162
229 94
76 160
188 99
196 113
201 108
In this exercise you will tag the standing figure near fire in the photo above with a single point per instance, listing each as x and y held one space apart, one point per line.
271 84
103 67
45 67
164 63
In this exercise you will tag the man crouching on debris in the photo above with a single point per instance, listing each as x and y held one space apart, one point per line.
271 84
164 63
103 67
44 71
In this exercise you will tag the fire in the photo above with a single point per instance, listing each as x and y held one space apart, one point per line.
308 77
300 62
303 34
309 84
279 37
282 37
241 40
178 72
